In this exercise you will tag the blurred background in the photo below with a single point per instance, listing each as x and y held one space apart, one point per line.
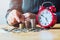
4 5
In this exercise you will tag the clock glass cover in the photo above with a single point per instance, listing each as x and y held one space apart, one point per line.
45 17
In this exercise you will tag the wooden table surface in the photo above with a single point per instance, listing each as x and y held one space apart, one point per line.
51 34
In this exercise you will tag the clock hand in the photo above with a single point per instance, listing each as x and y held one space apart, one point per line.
46 19
42 15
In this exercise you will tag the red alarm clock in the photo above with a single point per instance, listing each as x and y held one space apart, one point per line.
46 16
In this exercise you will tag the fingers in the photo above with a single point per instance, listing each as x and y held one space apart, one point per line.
32 16
22 18
29 15
11 20
26 15
16 15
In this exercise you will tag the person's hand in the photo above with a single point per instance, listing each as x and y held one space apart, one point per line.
15 17
29 16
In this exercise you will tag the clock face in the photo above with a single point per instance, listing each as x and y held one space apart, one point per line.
45 17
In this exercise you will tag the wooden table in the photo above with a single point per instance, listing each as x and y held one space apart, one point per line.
51 34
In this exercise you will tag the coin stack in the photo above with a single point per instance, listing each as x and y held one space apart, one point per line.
33 23
21 25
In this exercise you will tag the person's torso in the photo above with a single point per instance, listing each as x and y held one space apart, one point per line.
30 5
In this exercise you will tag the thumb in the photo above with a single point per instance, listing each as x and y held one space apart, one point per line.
16 15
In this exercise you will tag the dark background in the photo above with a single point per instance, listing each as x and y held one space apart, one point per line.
57 5
55 2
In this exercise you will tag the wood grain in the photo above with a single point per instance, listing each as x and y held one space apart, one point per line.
51 34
